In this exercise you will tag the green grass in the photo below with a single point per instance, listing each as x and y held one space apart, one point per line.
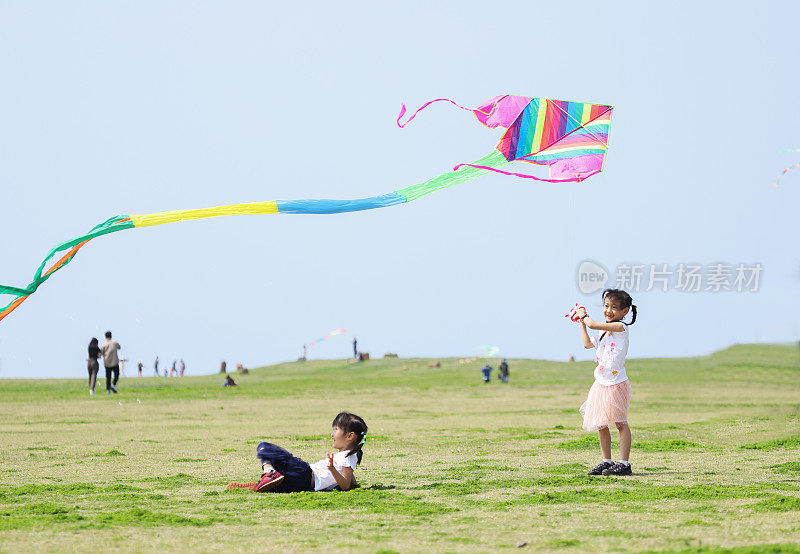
787 467
450 464
665 445
792 442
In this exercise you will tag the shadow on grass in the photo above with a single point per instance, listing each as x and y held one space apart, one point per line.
373 499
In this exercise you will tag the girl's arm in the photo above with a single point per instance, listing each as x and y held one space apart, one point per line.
587 343
343 478
615 327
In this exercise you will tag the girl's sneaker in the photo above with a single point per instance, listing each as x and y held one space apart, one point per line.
600 468
619 469
269 481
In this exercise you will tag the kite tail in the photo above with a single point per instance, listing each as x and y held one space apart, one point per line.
476 111
577 179
116 223
311 206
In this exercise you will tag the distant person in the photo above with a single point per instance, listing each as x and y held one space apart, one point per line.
229 382
92 364
110 348
502 371
305 351
139 366
223 367
610 395
355 348
487 373
173 371
155 367
182 367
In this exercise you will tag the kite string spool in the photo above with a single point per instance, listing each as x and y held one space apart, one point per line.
573 313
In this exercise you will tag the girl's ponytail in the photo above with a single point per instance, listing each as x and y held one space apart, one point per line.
633 317
357 449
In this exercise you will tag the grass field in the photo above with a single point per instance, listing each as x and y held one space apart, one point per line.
451 464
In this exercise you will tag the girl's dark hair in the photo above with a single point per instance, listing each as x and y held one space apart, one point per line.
625 301
351 423
93 342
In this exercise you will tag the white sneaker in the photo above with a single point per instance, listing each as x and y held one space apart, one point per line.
91 392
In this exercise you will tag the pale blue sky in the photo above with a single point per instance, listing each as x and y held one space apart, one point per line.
139 107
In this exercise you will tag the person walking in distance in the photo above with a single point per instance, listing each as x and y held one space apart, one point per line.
355 348
92 365
503 371
109 349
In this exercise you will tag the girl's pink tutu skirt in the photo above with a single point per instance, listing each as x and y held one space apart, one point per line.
606 405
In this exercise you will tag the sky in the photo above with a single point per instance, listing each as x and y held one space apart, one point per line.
141 107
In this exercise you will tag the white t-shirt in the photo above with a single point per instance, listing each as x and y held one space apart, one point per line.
611 352
323 478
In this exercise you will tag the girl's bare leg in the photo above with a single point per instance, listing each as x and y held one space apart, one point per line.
605 442
624 441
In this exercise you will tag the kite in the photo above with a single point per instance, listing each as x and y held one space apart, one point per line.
484 352
571 138
332 333
784 172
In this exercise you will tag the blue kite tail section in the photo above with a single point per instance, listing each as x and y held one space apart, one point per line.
338 206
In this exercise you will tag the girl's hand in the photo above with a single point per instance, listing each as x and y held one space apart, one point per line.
330 461
576 313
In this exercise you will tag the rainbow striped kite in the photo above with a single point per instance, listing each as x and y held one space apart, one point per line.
571 138
332 333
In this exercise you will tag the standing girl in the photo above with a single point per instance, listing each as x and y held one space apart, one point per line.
283 472
610 395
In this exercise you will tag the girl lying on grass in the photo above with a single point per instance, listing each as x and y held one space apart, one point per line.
283 472
610 395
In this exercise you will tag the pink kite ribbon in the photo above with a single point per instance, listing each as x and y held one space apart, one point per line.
476 111
425 105
579 177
